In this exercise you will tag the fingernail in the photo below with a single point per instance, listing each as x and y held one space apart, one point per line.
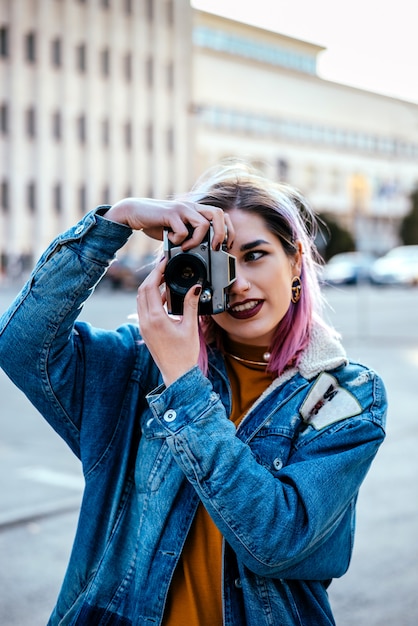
218 247
197 290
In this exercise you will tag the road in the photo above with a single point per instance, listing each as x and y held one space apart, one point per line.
41 485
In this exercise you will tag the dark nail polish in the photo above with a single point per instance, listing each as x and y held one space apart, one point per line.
197 290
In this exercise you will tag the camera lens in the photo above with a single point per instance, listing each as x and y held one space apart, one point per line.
183 271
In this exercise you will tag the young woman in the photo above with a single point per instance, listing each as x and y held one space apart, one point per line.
222 454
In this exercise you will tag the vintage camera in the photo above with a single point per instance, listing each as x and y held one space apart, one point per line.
214 270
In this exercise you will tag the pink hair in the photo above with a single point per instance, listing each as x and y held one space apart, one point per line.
235 185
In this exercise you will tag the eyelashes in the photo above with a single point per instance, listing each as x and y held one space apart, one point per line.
254 255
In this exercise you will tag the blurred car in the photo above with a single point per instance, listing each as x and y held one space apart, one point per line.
127 273
347 268
399 266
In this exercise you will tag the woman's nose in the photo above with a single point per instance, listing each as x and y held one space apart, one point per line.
240 285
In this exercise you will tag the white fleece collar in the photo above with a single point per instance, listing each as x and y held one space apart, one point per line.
324 352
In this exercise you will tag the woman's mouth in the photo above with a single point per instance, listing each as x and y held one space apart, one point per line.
246 309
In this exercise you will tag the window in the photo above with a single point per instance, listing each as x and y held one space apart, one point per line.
31 197
105 132
149 137
170 12
127 67
282 170
82 199
149 10
30 47
4 41
57 198
106 195
170 76
31 122
4 196
56 52
105 62
81 129
128 135
149 70
170 140
57 125
4 119
81 60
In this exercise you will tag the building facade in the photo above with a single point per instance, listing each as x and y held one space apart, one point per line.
353 153
101 99
94 106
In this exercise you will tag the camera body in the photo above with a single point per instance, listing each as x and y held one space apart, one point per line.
213 269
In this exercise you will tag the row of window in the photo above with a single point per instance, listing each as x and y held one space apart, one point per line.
129 4
31 200
221 41
127 7
81 55
302 132
332 182
81 129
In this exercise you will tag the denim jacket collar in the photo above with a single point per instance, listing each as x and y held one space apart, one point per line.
324 352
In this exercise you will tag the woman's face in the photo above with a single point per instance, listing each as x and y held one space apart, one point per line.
261 294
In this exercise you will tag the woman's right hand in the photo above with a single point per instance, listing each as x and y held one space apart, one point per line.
153 216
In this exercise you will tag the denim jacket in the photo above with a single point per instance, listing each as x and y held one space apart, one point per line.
281 488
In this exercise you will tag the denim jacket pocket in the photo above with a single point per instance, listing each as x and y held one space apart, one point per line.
272 447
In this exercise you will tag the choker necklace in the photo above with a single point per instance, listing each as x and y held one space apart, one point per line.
266 357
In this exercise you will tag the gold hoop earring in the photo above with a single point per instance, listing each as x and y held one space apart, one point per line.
296 289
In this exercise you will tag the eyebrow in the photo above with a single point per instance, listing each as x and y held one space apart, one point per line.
253 244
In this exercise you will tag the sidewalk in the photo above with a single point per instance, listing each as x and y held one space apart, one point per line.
39 476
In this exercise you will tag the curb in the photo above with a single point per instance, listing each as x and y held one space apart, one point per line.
25 515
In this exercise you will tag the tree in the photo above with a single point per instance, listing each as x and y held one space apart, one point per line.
408 230
333 238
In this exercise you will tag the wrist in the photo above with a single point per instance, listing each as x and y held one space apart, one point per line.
171 375
119 213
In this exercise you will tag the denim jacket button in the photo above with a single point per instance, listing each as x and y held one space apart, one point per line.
277 464
238 583
79 230
170 415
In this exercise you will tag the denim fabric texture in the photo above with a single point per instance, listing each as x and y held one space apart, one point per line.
281 488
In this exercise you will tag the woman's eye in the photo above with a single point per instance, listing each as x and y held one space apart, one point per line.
254 255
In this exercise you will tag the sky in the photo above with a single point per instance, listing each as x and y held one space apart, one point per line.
369 44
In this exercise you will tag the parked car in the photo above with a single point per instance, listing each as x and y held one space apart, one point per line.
399 266
347 268
127 273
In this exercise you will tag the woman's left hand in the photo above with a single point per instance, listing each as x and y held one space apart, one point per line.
173 342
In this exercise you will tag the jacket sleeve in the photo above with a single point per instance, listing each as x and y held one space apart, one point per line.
286 524
41 349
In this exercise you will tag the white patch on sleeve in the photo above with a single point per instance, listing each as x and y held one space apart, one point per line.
327 403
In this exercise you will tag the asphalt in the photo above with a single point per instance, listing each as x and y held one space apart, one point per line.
41 483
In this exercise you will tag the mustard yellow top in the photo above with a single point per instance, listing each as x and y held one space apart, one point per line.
195 595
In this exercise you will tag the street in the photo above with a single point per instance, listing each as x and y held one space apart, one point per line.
41 483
